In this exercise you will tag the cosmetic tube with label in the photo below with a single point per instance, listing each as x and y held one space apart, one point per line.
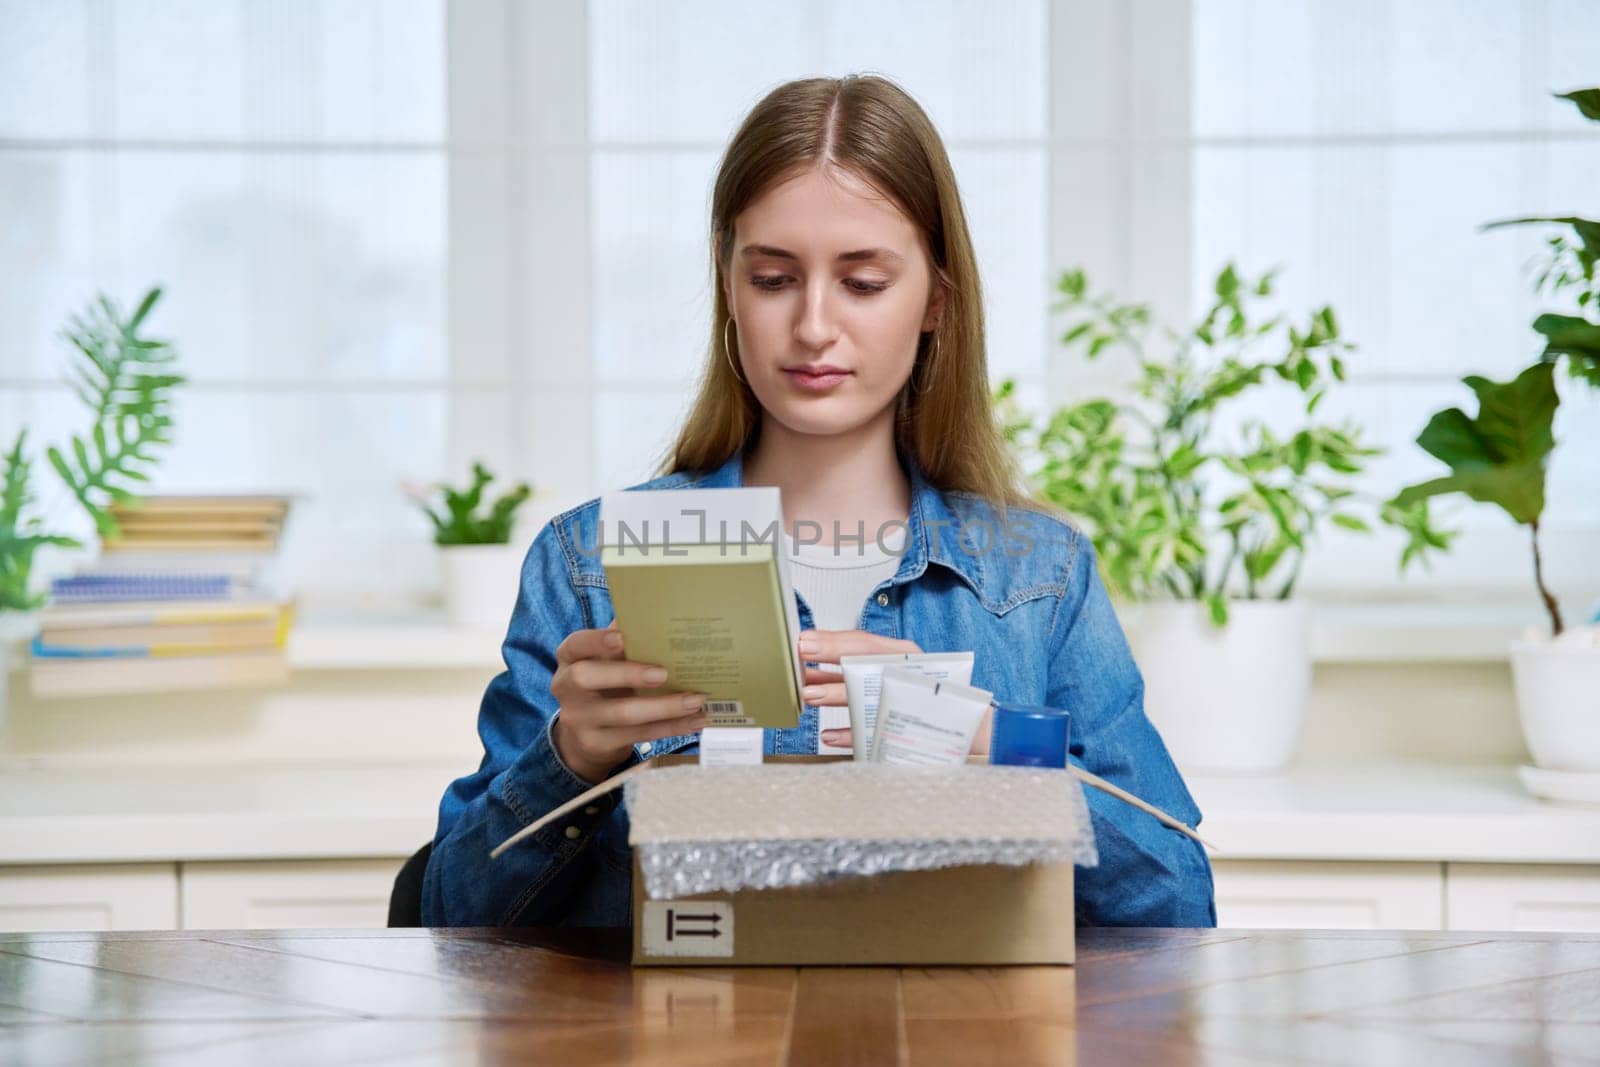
923 722
863 677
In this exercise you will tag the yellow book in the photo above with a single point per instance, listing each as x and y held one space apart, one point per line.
719 616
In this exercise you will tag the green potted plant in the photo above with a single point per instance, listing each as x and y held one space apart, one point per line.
1500 457
1202 523
126 381
480 563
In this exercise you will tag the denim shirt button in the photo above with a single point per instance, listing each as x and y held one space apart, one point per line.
573 833
883 600
644 749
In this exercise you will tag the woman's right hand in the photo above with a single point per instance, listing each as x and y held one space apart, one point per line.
600 716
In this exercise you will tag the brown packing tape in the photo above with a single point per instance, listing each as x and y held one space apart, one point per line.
616 781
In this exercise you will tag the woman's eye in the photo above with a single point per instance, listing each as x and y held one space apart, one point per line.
773 282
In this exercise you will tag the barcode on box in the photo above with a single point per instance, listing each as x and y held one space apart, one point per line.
726 713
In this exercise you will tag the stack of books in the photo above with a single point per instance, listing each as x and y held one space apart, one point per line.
237 536
182 599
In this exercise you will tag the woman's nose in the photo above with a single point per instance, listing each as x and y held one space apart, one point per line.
818 325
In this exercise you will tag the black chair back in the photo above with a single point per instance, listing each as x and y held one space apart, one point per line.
405 900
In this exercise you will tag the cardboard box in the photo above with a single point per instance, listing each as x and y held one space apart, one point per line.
990 914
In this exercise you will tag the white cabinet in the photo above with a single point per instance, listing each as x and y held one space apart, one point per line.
1329 896
1495 896
306 894
121 896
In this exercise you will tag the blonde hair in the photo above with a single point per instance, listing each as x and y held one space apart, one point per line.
872 128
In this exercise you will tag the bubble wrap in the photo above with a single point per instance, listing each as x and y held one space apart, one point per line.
722 829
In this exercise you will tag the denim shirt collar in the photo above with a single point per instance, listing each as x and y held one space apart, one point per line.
933 529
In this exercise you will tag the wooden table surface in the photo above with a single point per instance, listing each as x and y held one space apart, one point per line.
490 996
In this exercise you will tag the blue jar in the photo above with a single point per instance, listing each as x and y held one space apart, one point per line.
1029 736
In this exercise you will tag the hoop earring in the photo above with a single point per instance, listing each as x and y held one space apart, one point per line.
727 351
928 362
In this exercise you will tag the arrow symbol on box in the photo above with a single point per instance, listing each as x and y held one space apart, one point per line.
676 928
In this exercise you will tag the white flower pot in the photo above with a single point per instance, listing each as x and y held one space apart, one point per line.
480 583
1229 700
1558 701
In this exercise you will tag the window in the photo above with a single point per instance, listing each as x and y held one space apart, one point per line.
401 235
1360 146
281 169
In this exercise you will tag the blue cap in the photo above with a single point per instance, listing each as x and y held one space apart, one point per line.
1027 736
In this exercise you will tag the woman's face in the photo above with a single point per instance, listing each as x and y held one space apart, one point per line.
829 285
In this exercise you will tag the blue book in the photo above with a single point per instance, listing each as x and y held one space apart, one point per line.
116 587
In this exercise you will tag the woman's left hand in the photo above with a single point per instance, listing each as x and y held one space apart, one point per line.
824 688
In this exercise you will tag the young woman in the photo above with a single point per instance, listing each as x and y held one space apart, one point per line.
846 367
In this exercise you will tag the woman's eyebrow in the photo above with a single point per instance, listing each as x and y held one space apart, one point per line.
848 257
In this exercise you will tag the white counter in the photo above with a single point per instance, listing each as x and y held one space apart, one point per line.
202 813
1393 813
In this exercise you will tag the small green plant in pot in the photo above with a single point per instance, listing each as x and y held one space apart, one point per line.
1500 456
1203 520
480 564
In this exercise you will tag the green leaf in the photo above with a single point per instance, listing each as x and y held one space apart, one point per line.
1452 437
1350 522
1260 564
1587 100
145 305
1218 607
1499 457
1305 373
1300 450
1569 335
1227 284
1518 490
1516 419
60 464
1076 332
1587 230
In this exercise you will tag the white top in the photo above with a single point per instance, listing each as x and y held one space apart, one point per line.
836 580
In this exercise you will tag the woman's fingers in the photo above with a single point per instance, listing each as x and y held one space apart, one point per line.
838 738
687 724
633 712
597 674
831 695
590 644
826 646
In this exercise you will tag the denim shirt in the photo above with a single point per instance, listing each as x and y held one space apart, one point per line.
1024 596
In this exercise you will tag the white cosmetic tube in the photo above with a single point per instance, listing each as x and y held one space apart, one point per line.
863 677
926 723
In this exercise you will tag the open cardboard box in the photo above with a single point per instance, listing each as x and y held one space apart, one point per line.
979 914
976 915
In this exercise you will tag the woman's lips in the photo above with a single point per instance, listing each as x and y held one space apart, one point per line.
816 383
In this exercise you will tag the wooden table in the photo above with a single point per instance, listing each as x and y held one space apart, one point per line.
488 996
